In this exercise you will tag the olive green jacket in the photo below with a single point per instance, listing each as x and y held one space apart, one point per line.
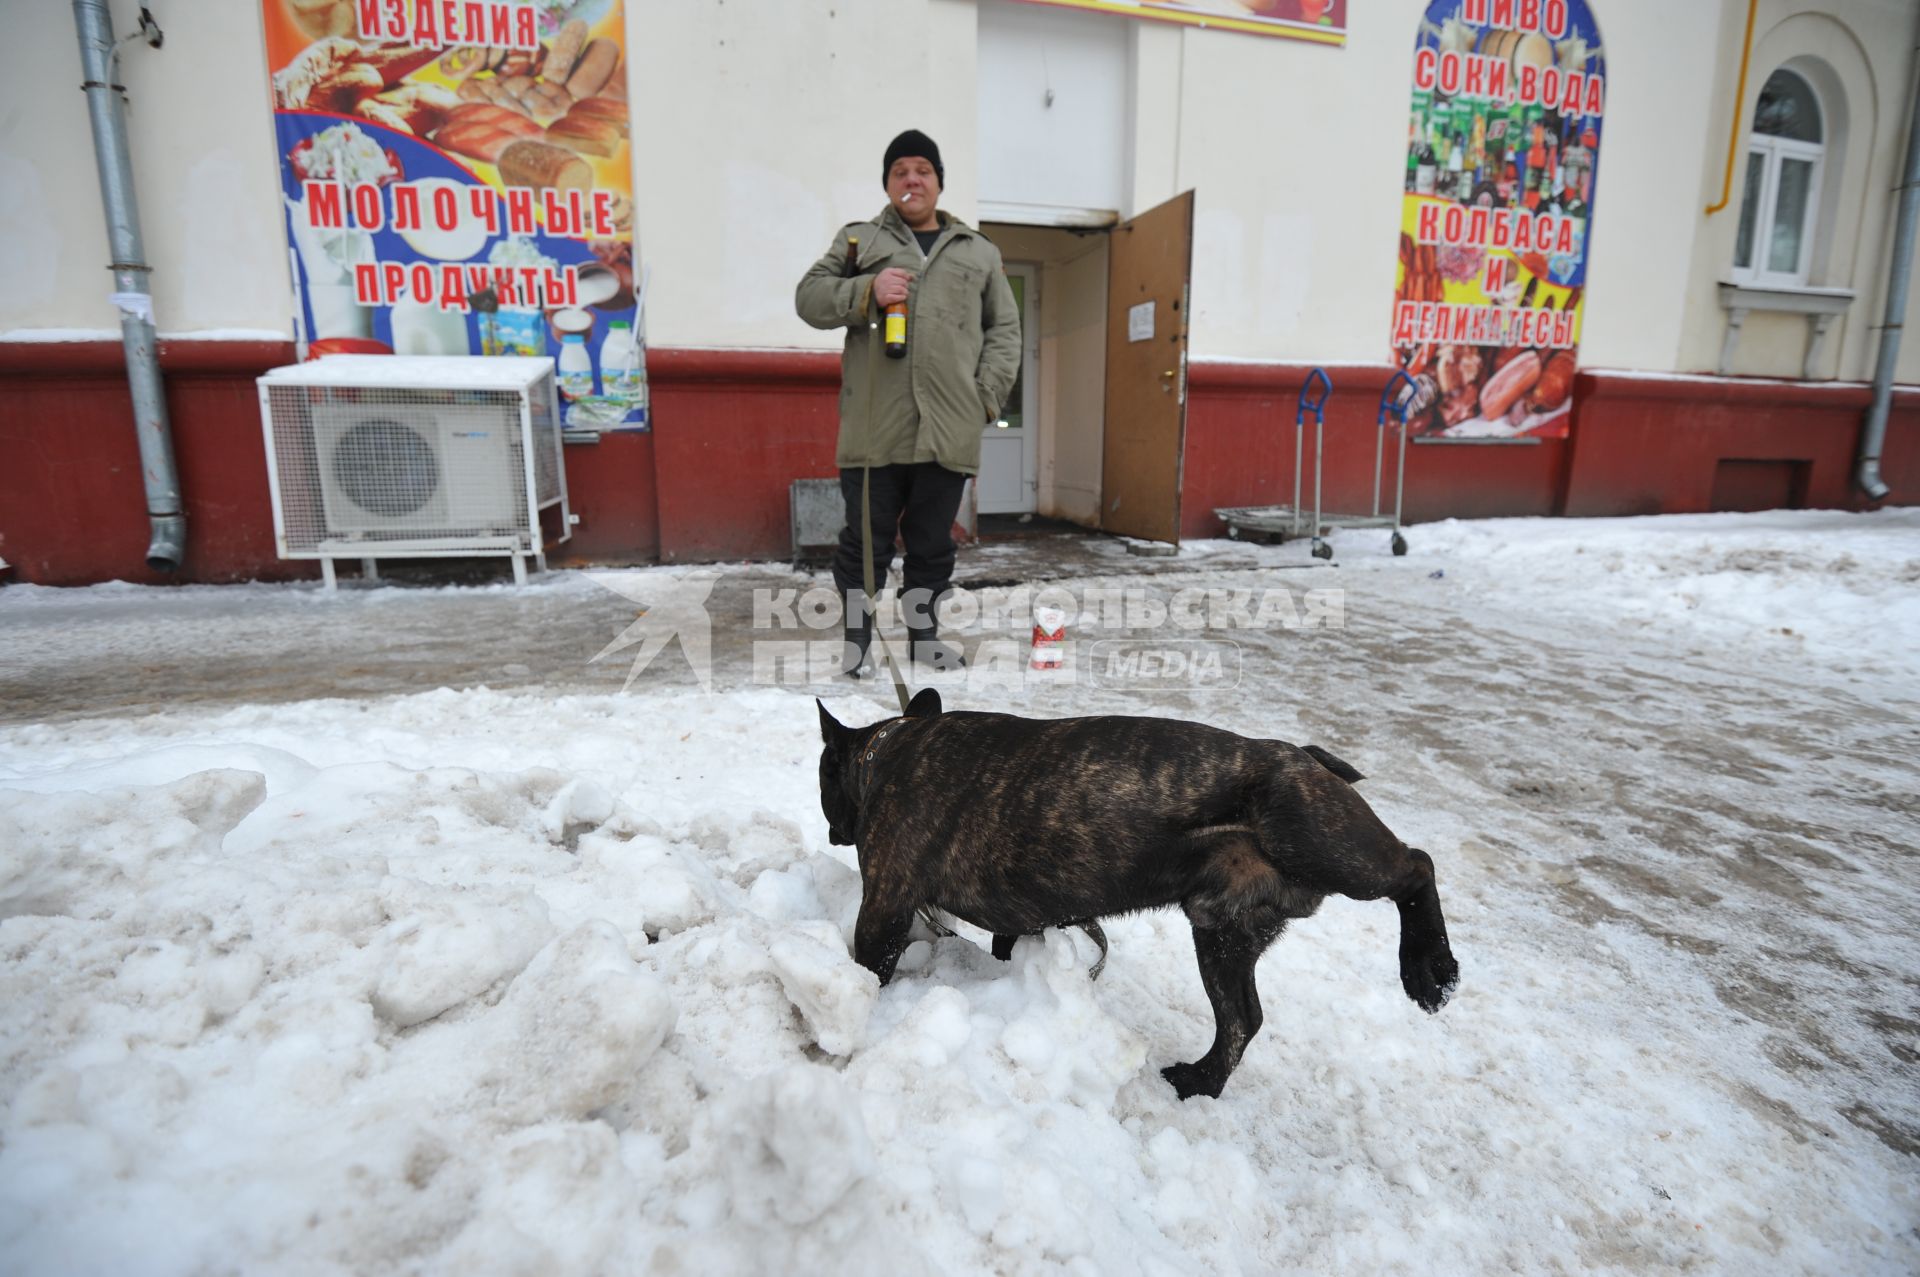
963 343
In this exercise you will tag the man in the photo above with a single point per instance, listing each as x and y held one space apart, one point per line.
910 427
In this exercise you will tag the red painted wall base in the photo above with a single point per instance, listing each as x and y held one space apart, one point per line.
72 502
1653 445
736 427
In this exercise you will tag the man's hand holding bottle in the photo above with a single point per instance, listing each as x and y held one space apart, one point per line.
890 286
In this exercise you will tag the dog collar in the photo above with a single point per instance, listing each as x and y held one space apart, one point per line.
864 762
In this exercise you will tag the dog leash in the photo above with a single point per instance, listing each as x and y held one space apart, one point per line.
866 525
866 550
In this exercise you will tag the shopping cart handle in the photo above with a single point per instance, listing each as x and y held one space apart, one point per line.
1309 402
1395 397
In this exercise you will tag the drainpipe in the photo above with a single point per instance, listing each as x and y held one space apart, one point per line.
1899 274
97 60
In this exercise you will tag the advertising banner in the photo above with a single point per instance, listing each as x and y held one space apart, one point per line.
1321 21
1503 148
457 182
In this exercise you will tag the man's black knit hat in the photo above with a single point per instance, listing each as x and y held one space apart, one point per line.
913 142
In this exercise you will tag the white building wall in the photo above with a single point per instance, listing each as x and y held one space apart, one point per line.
200 122
759 130
1862 68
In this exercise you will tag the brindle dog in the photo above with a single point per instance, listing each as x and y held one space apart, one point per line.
1019 824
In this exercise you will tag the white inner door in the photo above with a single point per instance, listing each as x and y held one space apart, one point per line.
1009 447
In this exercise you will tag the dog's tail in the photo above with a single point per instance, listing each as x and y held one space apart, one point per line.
1345 771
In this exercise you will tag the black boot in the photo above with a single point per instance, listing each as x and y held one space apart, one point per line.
930 651
857 634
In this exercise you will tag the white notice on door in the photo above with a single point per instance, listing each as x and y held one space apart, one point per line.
1140 322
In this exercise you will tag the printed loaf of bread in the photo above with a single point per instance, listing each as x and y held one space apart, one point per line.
542 164
515 87
483 132
585 134
595 68
491 89
602 108
564 51
546 101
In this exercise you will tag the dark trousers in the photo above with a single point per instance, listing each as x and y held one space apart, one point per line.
920 502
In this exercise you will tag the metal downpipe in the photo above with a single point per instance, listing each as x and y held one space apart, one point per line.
94 25
1899 275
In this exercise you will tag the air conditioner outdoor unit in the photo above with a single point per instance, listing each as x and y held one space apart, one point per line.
372 456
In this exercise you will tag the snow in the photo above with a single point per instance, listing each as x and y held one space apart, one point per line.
549 978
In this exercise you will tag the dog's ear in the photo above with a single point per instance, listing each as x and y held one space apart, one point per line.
1344 770
830 727
925 703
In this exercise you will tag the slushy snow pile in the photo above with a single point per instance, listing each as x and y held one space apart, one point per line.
476 982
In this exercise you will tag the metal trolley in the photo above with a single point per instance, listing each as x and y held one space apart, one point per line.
1278 522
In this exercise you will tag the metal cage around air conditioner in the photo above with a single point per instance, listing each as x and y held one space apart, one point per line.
372 457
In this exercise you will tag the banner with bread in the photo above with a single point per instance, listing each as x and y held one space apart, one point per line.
457 182
1318 21
1503 148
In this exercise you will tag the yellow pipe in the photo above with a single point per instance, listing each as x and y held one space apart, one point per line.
1739 108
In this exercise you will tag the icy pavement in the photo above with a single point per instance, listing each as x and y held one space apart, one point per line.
305 971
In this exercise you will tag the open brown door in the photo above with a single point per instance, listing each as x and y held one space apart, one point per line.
1145 443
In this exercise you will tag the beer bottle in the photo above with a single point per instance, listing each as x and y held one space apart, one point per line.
897 331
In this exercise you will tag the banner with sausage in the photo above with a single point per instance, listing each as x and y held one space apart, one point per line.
457 182
1317 21
1503 148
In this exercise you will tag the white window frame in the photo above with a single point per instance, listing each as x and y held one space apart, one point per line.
1771 153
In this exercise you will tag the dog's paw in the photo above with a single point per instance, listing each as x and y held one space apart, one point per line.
1430 978
1189 1080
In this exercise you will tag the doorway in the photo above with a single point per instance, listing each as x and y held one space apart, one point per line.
1104 400
1063 369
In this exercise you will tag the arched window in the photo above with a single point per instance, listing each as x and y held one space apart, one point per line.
1784 159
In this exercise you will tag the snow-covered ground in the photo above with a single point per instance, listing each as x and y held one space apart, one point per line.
548 978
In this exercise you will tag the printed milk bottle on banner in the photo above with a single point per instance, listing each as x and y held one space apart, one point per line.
623 368
619 361
575 367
